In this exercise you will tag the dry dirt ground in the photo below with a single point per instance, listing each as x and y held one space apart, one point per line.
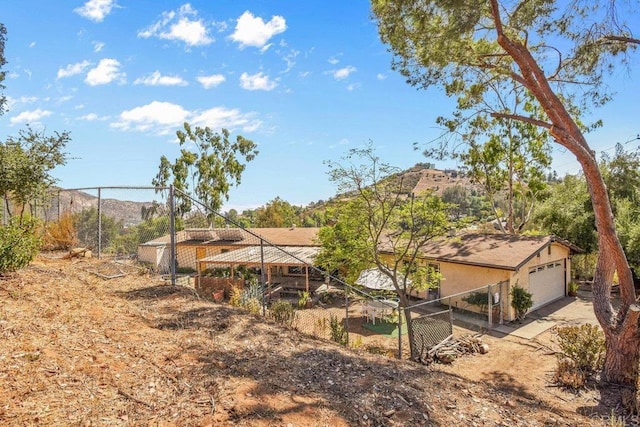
79 349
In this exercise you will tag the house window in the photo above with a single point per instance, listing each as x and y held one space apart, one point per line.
201 253
224 251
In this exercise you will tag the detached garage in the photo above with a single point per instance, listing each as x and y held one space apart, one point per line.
539 264
547 282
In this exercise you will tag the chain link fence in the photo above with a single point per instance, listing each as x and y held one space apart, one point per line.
110 221
266 271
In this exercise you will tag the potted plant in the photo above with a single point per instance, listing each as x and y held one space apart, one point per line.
572 290
218 295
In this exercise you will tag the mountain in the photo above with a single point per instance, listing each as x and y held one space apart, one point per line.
76 201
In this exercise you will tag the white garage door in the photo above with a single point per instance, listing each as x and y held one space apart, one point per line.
546 283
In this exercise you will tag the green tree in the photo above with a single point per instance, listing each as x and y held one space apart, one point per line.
380 226
567 213
511 163
26 162
559 57
86 224
276 213
214 165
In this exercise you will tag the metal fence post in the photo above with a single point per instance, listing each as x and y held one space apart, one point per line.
490 306
172 232
501 299
401 310
262 281
346 317
99 224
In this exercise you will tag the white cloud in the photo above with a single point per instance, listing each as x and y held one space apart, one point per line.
220 117
290 58
164 118
92 117
156 79
177 25
12 102
98 46
107 71
32 44
30 117
381 76
353 86
73 69
333 60
64 99
211 81
258 81
158 117
343 73
253 31
96 10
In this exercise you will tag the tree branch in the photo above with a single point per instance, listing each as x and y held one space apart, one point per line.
622 39
524 119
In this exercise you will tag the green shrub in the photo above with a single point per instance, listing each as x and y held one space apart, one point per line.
19 245
252 305
479 299
282 312
338 331
584 345
521 301
304 298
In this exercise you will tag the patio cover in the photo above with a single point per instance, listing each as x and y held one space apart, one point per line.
255 256
251 255
373 278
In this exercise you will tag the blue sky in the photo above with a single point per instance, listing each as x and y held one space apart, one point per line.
305 80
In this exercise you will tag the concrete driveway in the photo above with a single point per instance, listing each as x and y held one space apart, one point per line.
563 312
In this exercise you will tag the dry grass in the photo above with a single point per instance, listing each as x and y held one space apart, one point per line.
76 349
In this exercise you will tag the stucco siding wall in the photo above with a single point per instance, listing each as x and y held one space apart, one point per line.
460 278
148 254
187 254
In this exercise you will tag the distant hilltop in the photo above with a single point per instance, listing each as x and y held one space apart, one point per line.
436 180
76 201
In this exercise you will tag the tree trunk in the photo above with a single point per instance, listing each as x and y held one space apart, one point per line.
622 358
620 326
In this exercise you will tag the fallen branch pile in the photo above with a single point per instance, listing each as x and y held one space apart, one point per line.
452 348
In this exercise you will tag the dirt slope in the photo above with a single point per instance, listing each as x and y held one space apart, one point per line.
76 349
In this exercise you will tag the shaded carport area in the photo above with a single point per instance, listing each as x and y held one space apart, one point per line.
264 258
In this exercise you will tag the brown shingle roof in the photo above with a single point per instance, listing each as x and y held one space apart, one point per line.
491 250
294 236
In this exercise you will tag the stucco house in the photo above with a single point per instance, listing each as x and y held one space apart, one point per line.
539 264
286 252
